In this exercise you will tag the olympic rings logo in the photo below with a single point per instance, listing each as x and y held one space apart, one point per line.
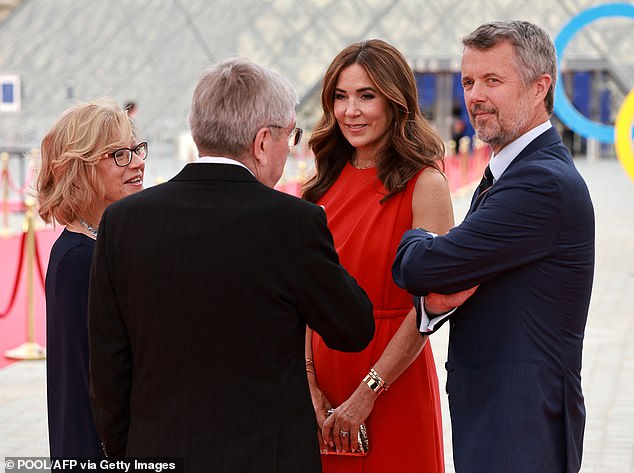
619 134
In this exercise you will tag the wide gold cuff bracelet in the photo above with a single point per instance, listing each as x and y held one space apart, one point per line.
375 382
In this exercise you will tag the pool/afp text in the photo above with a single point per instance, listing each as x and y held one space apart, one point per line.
130 465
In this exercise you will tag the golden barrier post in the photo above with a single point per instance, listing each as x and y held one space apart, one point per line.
30 185
301 166
4 178
35 162
30 350
450 149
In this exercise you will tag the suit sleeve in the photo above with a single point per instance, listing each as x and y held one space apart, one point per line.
514 226
331 301
110 352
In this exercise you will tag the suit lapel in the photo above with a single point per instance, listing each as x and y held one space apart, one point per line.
548 138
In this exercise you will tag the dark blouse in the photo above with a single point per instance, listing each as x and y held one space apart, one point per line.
70 423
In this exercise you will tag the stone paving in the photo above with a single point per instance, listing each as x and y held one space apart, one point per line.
608 369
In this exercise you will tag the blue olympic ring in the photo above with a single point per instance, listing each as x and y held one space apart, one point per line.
563 108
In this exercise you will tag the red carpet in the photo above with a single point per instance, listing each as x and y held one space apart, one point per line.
465 170
13 326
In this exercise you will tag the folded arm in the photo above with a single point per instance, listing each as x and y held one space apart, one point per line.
514 226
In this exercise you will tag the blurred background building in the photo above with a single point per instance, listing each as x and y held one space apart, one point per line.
57 52
54 53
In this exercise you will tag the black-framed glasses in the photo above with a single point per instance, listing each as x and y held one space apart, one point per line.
123 156
294 137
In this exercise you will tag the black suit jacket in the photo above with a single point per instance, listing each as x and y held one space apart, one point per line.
201 289
514 357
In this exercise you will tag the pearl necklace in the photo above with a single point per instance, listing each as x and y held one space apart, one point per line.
90 229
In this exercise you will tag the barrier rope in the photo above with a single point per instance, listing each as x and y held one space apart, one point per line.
16 283
29 350
38 262
27 181
6 176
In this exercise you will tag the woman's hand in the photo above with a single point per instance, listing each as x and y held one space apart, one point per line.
341 429
321 406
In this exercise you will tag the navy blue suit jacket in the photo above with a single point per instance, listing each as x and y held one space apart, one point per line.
515 346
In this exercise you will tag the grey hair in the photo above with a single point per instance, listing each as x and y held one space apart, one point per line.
233 99
534 49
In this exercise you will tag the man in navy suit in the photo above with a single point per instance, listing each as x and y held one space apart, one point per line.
202 289
527 243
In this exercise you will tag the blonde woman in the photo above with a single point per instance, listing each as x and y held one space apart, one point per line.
90 158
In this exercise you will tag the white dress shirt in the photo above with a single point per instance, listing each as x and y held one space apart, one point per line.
221 160
499 162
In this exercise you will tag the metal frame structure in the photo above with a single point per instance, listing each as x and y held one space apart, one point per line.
152 51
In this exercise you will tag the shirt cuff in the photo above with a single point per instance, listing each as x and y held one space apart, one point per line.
427 324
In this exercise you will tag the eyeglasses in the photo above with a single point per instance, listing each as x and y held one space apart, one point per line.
294 137
123 156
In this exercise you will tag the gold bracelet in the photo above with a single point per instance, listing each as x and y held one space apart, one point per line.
310 366
374 381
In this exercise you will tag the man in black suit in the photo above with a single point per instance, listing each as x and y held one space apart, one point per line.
514 360
202 288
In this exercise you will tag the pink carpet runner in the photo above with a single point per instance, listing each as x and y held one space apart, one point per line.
13 323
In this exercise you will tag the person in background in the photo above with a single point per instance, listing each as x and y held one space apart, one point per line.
131 109
514 360
458 128
378 173
90 158
202 288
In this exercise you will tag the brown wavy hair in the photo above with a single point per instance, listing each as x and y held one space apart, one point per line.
413 143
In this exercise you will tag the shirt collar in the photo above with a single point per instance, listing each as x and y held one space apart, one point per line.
221 160
499 162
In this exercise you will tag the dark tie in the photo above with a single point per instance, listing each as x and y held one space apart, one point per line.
483 187
486 182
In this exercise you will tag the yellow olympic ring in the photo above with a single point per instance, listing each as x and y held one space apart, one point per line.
623 134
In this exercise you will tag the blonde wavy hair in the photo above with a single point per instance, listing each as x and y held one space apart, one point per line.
69 184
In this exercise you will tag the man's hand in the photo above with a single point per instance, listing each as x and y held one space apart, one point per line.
436 304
